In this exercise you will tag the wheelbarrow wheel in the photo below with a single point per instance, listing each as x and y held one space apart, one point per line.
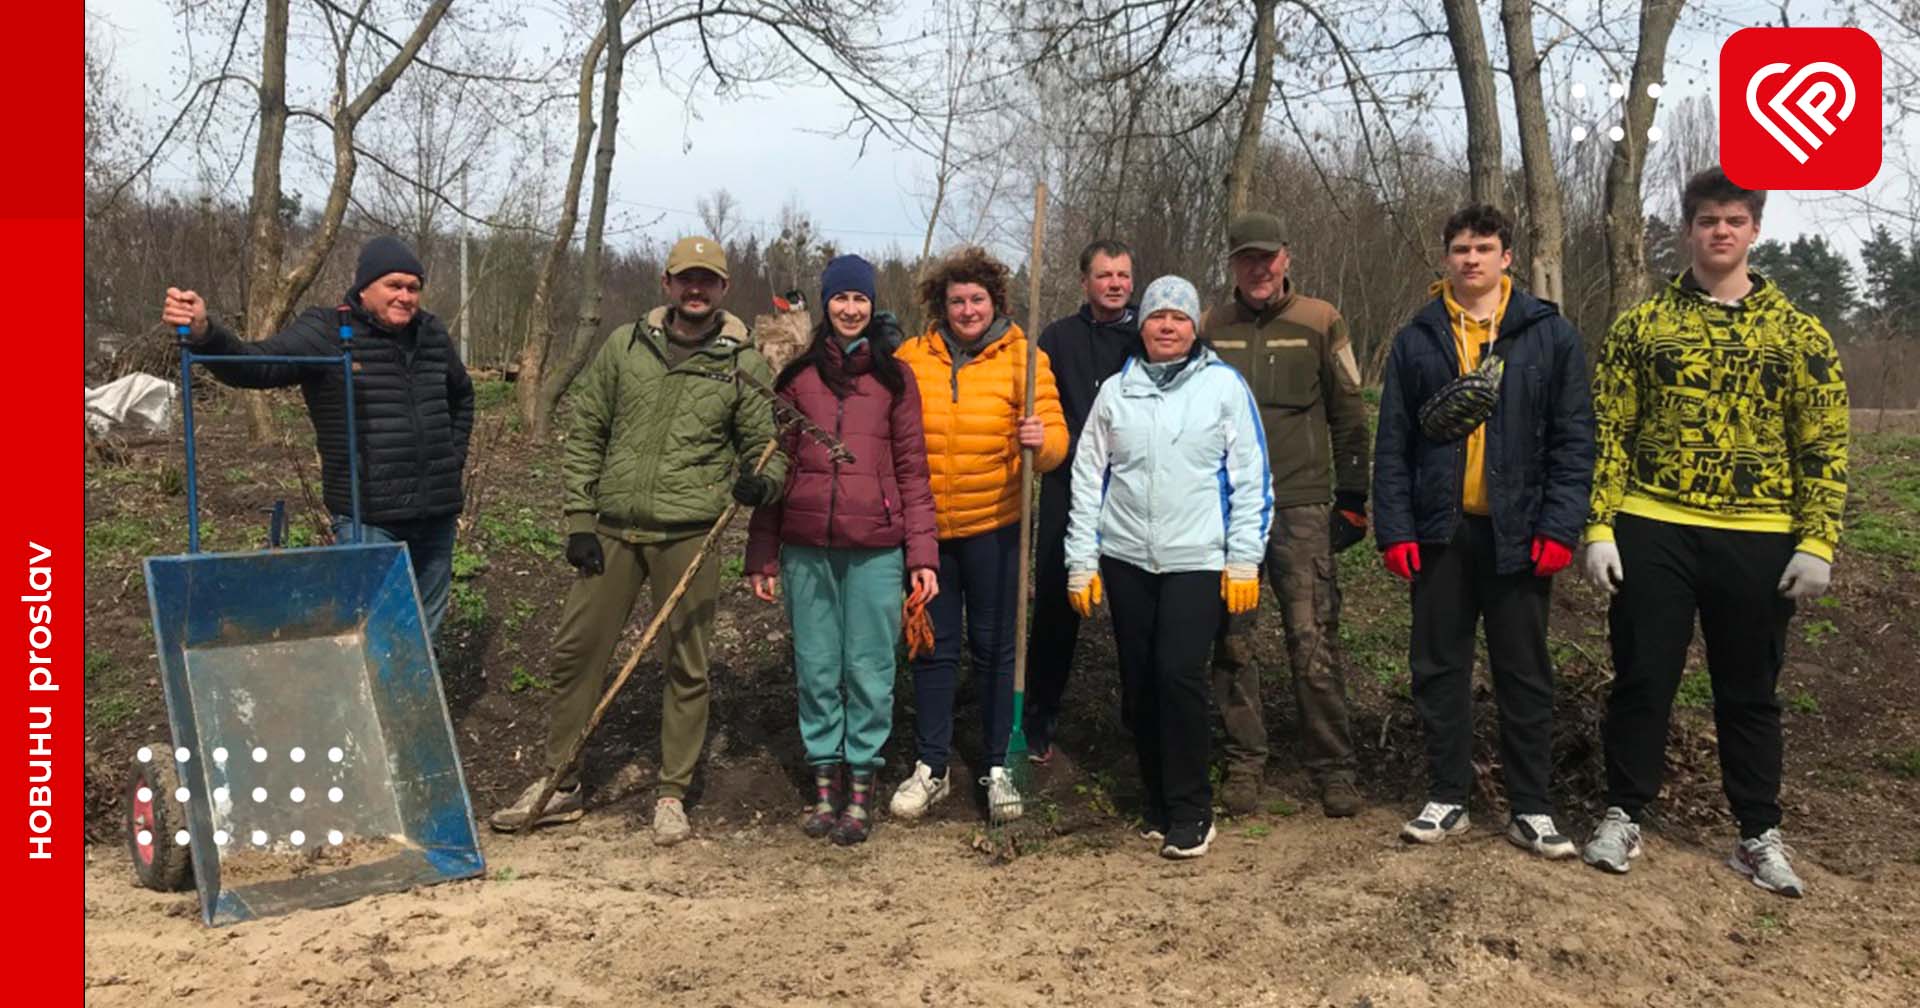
159 863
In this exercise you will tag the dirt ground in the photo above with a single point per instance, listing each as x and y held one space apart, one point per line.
1295 910
1290 909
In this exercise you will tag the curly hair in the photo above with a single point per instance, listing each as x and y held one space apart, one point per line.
969 264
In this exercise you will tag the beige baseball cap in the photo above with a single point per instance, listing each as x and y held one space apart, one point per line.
697 252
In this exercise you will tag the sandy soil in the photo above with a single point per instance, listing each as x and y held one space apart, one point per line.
1293 910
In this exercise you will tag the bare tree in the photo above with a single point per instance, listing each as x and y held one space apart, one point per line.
1626 218
1246 148
1476 87
1546 207
719 214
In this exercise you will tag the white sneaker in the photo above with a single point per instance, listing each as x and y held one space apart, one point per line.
1003 799
670 822
919 792
1765 860
1537 833
1435 823
1615 842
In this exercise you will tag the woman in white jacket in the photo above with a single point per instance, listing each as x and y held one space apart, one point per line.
1171 503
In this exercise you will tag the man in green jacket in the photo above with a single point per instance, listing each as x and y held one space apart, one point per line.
1294 353
661 422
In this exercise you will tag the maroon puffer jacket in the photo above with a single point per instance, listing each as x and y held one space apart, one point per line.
882 498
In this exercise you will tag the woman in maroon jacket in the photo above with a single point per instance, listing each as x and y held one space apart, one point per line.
837 536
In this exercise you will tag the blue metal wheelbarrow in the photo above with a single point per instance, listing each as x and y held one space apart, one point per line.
313 760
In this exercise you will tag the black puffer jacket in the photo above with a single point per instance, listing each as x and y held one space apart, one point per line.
413 407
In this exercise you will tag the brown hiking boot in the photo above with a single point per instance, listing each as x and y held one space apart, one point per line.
1339 799
1240 795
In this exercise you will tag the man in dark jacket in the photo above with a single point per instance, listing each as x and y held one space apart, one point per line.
1480 483
413 406
1294 352
1084 349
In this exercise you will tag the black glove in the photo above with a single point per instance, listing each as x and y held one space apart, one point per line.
583 552
753 489
1347 523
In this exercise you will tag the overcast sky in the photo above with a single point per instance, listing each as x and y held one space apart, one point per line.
766 149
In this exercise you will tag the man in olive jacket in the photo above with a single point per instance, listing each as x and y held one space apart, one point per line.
661 423
1294 353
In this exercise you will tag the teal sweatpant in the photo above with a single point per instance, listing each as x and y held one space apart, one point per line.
844 605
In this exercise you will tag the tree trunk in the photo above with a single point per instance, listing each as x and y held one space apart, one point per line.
540 328
1246 149
587 323
1625 214
266 235
1476 87
1546 206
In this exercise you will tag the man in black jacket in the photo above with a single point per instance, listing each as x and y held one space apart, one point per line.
1480 484
413 406
1084 349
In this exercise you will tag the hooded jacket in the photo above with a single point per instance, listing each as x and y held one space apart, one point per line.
1172 479
881 499
970 412
1538 443
413 407
654 446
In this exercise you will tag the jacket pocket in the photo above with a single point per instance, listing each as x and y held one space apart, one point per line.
1289 372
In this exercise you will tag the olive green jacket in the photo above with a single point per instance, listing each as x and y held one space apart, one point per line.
654 449
1295 356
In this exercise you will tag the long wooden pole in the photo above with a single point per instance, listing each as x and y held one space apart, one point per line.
1017 740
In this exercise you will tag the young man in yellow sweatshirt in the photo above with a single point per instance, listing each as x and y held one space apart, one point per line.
1722 472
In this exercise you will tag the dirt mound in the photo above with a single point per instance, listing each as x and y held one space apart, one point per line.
1293 910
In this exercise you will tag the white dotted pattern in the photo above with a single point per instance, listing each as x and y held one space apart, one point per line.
221 795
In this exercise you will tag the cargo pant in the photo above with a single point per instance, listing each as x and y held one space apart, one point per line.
597 610
1299 566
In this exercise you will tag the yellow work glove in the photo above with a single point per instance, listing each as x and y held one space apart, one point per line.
1240 586
1083 591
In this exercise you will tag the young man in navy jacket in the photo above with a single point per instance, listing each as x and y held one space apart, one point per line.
1479 524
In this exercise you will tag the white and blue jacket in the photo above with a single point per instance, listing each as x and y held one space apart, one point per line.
1172 479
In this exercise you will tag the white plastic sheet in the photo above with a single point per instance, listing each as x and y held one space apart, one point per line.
139 400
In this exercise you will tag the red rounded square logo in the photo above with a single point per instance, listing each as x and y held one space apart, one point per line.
1800 108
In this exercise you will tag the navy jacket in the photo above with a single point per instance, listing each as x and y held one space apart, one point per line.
1539 441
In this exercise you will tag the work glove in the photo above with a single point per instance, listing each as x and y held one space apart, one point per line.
1603 566
583 552
1806 577
753 489
1549 557
1083 591
1240 587
1348 521
1403 559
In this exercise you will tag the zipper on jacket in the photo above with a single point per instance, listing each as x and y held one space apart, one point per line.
833 481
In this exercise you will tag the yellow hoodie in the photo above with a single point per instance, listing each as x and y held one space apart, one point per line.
1471 337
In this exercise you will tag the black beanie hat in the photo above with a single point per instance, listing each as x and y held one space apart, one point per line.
381 256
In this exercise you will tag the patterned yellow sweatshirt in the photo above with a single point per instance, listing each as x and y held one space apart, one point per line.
1726 416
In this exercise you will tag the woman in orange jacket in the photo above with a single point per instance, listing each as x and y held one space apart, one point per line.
971 368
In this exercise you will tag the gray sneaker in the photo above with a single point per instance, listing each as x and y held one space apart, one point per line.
1615 842
1764 860
670 822
1435 823
564 807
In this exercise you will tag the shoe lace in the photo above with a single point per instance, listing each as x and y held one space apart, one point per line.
1540 823
1770 849
1435 812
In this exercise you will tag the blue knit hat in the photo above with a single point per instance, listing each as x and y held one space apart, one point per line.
1171 292
847 273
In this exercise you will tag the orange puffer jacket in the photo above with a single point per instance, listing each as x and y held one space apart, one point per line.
970 412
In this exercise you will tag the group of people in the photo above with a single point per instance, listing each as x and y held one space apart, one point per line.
1182 453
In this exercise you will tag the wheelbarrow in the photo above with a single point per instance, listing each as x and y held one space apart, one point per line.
312 760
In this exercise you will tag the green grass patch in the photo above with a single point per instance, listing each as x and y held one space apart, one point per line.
121 534
1818 631
1804 702
469 604
733 567
467 562
1906 763
520 680
1885 536
492 395
1258 832
1282 807
523 530
1696 690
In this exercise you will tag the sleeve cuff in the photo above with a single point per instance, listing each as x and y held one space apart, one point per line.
579 521
1598 533
1816 547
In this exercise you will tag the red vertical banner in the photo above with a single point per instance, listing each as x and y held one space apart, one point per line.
41 244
